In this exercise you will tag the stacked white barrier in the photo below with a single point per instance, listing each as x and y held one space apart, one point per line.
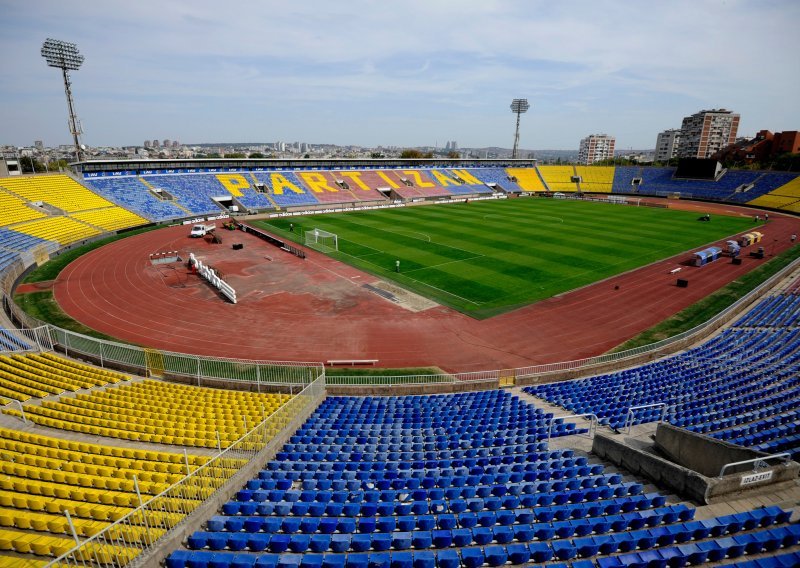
208 273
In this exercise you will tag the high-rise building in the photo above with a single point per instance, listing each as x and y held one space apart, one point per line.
166 143
596 147
156 143
147 144
454 145
39 145
667 145
705 133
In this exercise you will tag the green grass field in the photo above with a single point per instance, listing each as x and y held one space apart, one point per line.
489 257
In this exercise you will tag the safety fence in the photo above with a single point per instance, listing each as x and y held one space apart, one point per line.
169 364
131 538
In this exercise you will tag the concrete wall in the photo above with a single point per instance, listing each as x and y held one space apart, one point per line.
688 483
703 454
399 390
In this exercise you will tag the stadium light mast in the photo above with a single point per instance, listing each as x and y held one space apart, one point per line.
64 55
518 106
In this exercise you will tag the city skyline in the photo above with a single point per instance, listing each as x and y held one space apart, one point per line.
368 74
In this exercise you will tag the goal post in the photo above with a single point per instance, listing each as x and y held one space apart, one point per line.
321 240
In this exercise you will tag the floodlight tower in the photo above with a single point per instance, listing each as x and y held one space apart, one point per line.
65 56
518 106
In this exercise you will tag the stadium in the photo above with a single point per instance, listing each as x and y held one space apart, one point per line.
387 360
236 410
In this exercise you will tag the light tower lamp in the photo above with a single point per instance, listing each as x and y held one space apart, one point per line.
65 56
518 106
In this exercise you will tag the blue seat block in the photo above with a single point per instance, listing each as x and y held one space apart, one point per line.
340 542
256 542
290 560
424 559
495 555
243 560
299 543
359 560
320 542
540 551
447 559
401 560
199 559
197 540
471 558
177 559
442 538
518 553
381 541
361 542
564 550
311 561
266 561
421 540
482 535
379 560
401 540
333 560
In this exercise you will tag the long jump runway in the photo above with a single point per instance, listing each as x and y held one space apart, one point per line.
319 309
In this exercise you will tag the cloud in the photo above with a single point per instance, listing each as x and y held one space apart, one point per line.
437 68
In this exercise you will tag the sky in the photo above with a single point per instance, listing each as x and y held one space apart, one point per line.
397 73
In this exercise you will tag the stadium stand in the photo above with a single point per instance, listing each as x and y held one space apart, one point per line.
58 190
558 178
659 181
415 184
527 179
459 182
131 193
333 187
63 230
786 197
42 477
176 414
742 386
497 176
623 177
194 192
597 179
285 189
455 480
110 218
38 375
16 241
15 210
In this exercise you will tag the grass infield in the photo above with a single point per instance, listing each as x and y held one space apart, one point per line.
489 257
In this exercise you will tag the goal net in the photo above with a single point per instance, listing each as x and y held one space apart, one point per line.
321 240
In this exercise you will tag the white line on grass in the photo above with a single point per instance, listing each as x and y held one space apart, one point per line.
443 263
406 235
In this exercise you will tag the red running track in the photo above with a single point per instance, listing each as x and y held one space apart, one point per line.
318 309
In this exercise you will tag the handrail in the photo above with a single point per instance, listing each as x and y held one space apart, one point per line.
594 422
629 417
758 463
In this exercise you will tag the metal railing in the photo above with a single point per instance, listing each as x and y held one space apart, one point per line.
169 363
758 463
25 340
131 538
593 423
630 417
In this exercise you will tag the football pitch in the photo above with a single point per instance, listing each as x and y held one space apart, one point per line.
488 257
